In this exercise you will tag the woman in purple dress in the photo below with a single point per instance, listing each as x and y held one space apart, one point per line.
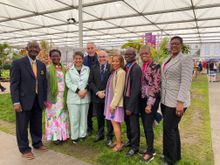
114 99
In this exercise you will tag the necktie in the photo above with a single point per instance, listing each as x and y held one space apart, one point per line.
34 67
102 72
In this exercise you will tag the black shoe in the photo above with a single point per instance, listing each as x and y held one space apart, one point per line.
128 144
57 142
99 138
82 139
89 132
131 152
110 143
142 152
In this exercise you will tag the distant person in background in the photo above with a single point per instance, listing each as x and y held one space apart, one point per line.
150 98
114 99
98 78
56 129
200 67
89 60
28 84
212 72
175 98
78 97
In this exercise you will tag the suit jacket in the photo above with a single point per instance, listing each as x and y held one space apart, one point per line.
75 80
23 83
118 88
95 83
131 103
88 63
176 80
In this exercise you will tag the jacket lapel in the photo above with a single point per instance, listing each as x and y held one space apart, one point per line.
98 72
38 69
172 62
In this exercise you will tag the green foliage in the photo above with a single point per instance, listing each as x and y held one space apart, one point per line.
157 54
5 51
162 52
185 49
136 44
7 54
5 74
6 66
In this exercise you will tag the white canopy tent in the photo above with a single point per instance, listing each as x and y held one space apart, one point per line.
108 23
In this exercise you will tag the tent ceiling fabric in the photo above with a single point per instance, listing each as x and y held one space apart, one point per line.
108 22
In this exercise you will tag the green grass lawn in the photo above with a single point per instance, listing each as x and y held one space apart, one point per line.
194 128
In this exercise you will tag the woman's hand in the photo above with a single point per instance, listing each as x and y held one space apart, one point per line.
148 109
112 110
179 109
82 93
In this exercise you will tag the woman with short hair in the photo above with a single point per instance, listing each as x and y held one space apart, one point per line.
78 97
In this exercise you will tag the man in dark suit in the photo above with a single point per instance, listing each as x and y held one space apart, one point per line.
98 78
28 86
131 98
89 60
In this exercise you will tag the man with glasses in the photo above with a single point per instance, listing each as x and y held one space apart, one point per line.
99 75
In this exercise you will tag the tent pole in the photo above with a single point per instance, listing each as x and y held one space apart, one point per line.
80 25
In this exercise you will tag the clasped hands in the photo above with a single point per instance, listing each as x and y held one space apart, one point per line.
82 93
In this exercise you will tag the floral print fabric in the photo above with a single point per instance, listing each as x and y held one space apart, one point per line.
56 116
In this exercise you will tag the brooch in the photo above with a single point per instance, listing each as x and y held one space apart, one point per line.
42 72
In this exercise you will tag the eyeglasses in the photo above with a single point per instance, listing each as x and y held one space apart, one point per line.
101 56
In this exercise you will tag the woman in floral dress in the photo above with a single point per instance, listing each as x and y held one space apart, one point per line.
56 114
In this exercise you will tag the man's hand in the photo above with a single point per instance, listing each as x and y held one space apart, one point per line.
101 94
17 108
128 113
148 109
179 109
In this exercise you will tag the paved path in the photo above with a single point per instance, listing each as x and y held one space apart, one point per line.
214 108
9 155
